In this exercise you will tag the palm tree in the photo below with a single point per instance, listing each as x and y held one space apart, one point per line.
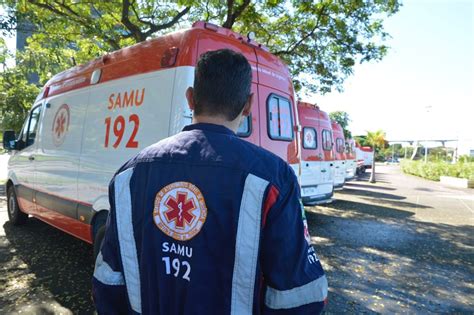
376 140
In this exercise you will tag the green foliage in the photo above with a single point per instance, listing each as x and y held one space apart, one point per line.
342 118
362 140
466 159
376 139
321 41
16 93
433 170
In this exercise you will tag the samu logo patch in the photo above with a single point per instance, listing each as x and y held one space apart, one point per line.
180 210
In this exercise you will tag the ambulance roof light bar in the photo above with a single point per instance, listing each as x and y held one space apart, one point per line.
249 39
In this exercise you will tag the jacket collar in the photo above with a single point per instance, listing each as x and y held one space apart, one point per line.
210 128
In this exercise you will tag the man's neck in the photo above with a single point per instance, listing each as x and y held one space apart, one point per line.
217 120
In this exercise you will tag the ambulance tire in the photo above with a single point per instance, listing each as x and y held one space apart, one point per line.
98 239
15 215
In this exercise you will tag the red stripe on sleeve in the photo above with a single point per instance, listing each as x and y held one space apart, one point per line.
269 202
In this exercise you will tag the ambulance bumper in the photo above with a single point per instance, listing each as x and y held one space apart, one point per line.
317 200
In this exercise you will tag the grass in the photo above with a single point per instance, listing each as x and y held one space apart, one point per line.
434 170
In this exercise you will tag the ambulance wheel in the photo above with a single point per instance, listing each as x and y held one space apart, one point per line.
15 215
98 239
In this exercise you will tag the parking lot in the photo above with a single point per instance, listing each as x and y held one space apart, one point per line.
403 244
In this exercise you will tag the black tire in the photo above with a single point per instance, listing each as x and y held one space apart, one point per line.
98 239
15 215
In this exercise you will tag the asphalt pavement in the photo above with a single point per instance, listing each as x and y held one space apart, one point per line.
403 245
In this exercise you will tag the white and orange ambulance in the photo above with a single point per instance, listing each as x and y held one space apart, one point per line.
364 157
317 157
351 163
90 119
339 155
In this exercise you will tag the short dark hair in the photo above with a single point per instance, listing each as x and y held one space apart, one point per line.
222 81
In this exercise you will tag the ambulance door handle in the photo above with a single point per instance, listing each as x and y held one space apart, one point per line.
31 158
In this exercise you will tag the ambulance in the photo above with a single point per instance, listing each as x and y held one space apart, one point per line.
339 155
351 163
89 120
364 157
317 157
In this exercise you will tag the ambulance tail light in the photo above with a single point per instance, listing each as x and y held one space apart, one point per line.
169 57
46 92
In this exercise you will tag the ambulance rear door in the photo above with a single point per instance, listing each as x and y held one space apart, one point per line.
249 129
277 109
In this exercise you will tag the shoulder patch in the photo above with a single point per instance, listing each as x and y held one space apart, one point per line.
180 210
305 224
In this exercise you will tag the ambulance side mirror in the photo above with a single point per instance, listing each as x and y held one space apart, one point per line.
9 140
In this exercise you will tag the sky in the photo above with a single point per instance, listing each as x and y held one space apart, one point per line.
424 87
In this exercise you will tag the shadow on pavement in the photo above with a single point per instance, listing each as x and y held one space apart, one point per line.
379 177
370 186
374 194
53 262
380 256
397 203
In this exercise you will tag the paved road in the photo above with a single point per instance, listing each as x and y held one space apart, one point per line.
401 245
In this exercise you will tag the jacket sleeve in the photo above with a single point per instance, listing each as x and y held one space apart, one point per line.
108 285
294 281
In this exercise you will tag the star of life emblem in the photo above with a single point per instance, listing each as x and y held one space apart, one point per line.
180 210
60 125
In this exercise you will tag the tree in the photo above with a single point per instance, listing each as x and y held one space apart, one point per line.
321 41
16 93
361 140
342 118
376 140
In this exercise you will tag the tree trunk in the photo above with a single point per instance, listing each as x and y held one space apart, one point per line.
372 174
415 150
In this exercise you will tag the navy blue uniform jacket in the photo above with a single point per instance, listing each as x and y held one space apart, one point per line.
206 223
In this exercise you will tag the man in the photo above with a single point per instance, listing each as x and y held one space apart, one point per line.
206 223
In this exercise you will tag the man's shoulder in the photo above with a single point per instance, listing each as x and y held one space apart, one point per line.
267 164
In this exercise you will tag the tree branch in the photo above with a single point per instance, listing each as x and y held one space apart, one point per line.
134 30
76 18
150 24
160 27
291 49
233 15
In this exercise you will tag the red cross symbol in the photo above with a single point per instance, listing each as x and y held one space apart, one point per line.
60 125
180 210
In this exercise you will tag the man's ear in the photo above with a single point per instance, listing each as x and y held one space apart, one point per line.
190 97
248 106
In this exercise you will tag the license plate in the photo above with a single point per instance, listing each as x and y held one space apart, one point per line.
309 191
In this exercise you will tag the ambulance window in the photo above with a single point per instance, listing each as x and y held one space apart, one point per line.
327 140
309 141
339 145
280 126
33 126
245 128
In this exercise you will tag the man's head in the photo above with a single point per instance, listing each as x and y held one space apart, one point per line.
222 81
